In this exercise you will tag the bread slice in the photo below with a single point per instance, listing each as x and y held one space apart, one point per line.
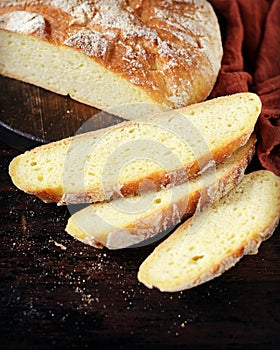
135 156
210 243
126 57
127 221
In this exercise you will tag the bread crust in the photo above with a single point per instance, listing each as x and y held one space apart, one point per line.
172 52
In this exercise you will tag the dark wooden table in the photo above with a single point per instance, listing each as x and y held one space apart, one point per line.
57 293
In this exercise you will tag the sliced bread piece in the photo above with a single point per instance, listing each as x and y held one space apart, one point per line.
168 148
208 244
127 221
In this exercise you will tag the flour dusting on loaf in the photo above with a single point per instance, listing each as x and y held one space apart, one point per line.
91 43
23 22
169 53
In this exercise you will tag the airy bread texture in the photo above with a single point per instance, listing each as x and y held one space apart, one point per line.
210 243
114 54
128 221
128 158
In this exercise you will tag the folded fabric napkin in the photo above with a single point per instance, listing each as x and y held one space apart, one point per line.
251 62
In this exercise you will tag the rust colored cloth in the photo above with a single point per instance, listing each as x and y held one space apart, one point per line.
251 62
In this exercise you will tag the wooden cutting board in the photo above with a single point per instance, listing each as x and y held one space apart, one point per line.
31 115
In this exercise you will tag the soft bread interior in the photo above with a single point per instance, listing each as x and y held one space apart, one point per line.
67 71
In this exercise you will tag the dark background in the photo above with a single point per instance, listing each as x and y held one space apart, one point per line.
57 293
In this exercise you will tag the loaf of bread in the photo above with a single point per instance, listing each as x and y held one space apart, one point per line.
131 58
128 221
210 243
168 149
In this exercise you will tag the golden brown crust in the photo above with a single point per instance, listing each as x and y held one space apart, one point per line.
171 50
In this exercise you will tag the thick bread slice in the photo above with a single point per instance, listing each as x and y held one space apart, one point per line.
208 244
126 57
127 221
135 156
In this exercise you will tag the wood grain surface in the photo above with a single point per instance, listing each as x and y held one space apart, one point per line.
57 293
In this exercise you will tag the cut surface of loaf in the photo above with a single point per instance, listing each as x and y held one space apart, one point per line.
210 243
111 53
127 221
128 158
